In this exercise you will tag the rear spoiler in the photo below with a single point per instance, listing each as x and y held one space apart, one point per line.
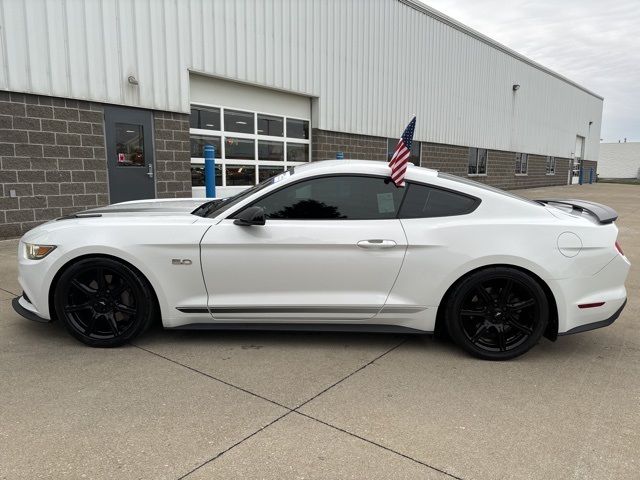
603 213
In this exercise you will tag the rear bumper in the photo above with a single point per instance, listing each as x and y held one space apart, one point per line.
21 306
594 325
605 288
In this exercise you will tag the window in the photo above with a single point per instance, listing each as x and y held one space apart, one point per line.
297 128
270 125
484 186
129 145
415 150
197 175
239 148
522 163
477 161
205 118
235 121
199 141
240 174
551 166
263 141
297 152
423 201
268 172
325 198
268 150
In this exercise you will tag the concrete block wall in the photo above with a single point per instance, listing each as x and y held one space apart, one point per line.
173 155
325 144
52 159
500 167
445 158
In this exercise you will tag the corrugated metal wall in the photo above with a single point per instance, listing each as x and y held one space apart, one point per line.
370 63
619 160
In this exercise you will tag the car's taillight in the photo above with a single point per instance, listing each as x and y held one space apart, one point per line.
619 248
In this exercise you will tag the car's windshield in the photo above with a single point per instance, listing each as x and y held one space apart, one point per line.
216 207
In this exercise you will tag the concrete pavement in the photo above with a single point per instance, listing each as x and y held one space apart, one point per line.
284 405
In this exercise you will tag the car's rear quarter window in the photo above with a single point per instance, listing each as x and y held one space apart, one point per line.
422 201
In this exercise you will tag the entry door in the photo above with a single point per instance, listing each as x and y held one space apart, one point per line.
577 160
129 138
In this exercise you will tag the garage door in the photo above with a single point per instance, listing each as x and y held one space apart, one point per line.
257 132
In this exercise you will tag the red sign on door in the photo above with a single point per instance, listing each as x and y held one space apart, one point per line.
121 158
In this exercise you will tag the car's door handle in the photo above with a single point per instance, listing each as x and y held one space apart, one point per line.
375 243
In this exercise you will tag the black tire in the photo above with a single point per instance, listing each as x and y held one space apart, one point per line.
497 313
103 302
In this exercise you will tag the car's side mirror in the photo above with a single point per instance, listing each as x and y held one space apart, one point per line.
250 216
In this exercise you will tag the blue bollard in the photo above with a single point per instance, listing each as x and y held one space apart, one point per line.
340 156
580 176
210 170
591 175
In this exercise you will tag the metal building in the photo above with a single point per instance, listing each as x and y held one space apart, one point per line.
619 160
104 101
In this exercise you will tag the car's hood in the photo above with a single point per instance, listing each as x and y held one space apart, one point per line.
170 206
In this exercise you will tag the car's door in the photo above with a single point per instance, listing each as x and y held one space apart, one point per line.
331 249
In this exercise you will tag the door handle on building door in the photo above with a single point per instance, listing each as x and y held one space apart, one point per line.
150 172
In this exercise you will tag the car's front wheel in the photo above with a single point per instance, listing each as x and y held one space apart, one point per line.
497 313
103 302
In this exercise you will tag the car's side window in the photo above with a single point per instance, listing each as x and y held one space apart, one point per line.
347 197
423 201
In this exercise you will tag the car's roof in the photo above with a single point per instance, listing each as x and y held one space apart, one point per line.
359 166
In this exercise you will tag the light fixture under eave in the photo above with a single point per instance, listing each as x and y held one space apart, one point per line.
132 80
515 86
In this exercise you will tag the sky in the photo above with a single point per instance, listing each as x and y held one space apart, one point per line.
595 43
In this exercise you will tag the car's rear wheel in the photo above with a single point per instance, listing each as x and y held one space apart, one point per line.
103 303
497 313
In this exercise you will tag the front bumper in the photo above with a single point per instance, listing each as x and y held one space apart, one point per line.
594 325
21 306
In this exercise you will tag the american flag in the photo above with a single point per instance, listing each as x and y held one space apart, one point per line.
400 158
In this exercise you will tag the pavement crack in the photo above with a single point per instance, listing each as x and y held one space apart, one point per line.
9 292
240 442
403 455
296 410
351 374
257 395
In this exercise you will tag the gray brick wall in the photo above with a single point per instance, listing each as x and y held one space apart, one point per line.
500 167
446 158
173 155
52 156
325 145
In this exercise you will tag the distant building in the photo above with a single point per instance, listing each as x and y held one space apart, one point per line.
619 160
102 102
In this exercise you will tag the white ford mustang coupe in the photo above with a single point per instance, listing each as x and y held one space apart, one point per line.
335 246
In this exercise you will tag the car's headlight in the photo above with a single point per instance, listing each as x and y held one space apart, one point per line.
37 252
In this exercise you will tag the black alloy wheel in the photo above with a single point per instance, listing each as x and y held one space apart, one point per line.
498 313
103 303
